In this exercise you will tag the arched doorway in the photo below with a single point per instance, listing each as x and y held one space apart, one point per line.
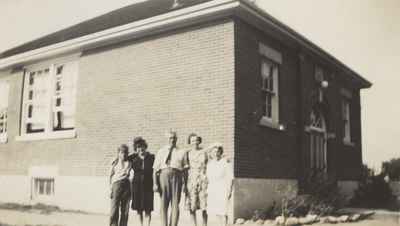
318 142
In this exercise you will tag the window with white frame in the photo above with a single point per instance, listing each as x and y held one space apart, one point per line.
269 75
346 120
4 92
270 65
43 187
49 99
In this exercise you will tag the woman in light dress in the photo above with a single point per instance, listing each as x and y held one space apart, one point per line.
220 183
196 191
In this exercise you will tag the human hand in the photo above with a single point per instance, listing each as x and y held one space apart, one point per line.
185 191
156 188
229 195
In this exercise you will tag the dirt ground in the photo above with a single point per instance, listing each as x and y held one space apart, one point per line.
36 218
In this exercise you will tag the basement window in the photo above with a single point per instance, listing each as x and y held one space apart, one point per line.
43 187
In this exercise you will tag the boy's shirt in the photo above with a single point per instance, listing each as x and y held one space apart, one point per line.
120 170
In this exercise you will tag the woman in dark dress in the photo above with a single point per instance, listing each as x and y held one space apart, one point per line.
142 183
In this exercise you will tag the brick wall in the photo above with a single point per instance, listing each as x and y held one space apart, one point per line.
263 152
344 161
182 80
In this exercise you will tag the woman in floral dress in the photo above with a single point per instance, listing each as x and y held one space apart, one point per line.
196 191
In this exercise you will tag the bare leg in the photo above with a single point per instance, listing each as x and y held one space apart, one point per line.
140 213
225 220
147 217
193 217
222 220
205 217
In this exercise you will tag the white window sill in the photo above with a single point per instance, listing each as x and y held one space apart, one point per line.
68 134
3 138
267 122
348 143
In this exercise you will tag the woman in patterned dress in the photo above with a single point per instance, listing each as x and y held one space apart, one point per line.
196 191
142 183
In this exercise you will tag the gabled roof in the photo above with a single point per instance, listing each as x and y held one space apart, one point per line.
125 15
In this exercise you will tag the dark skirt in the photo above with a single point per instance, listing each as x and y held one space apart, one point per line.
142 192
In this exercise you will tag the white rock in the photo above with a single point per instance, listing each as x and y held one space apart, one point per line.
309 219
259 222
269 223
280 220
355 217
333 220
324 220
343 218
239 221
291 221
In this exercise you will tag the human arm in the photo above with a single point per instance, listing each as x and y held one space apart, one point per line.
229 177
112 172
185 172
156 173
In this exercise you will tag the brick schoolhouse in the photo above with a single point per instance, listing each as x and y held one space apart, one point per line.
225 69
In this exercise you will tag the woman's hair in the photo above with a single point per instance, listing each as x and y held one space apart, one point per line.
124 148
194 135
220 148
171 133
139 141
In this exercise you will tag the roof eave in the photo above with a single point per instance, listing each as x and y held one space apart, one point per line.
184 17
180 18
250 7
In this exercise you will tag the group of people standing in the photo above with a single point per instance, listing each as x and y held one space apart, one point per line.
202 174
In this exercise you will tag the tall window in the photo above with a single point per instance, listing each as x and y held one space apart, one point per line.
4 92
49 99
346 120
269 74
270 64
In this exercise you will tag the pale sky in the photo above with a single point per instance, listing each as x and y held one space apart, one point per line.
363 34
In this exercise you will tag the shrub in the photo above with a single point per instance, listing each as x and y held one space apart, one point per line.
321 197
374 192
392 168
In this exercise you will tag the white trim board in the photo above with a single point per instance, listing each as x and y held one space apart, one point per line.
174 19
184 17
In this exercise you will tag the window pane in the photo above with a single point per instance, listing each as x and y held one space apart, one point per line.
64 97
269 105
36 186
36 111
266 69
269 75
41 187
48 187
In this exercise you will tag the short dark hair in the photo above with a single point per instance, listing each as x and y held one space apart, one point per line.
139 141
194 135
